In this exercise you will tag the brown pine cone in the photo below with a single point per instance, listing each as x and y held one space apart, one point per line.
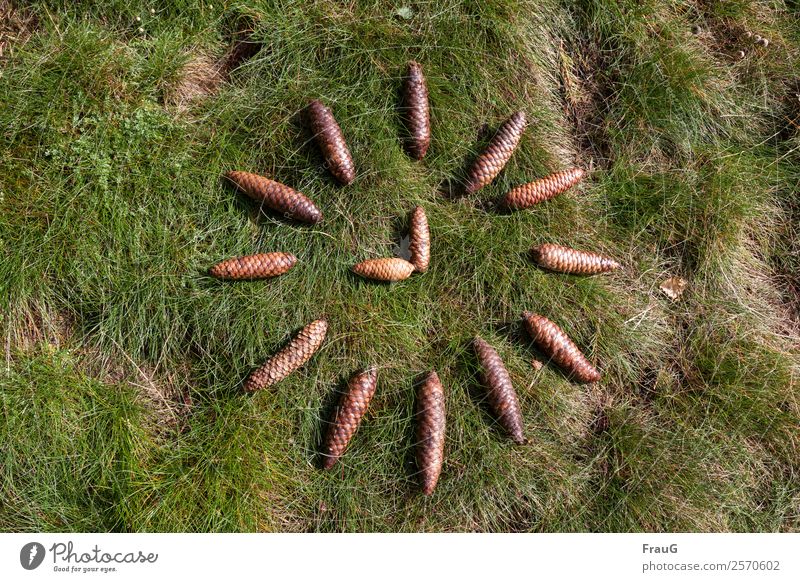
417 112
497 153
543 189
296 353
500 392
348 415
276 196
420 240
567 260
552 340
258 266
330 139
389 269
430 431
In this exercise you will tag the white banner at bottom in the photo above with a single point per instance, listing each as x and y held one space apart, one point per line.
354 557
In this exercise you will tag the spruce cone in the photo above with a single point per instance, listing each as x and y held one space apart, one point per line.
500 391
417 112
331 141
389 269
258 266
430 431
351 408
276 196
296 353
552 340
420 243
567 260
497 153
543 189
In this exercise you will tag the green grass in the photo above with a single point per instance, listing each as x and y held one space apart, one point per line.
112 208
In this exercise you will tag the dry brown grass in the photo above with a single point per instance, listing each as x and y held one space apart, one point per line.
199 78
16 27
165 394
203 73
33 326
585 91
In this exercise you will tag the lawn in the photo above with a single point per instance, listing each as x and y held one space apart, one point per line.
121 401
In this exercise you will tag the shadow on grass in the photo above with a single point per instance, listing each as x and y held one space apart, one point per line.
357 279
403 119
401 235
240 31
327 417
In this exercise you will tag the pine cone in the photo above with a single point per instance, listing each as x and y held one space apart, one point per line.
556 344
348 416
567 260
497 153
501 394
417 112
296 353
276 196
543 189
258 266
430 431
389 269
331 141
420 240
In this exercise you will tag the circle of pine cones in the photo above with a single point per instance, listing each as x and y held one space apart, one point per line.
430 415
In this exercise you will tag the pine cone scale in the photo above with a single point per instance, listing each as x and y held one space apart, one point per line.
496 155
420 240
330 139
543 189
566 260
296 353
276 196
258 266
417 111
430 431
351 409
500 391
386 269
552 340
